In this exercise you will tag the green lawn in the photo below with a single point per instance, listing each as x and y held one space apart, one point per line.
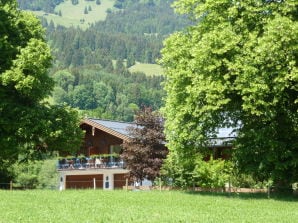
148 69
148 206
73 15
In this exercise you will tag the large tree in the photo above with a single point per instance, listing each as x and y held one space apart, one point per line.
236 67
28 124
145 152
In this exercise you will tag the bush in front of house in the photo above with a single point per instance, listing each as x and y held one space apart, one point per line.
212 174
25 174
48 175
35 174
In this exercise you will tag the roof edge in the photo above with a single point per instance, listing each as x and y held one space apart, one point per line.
89 121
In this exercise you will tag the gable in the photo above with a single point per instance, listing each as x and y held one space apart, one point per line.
117 129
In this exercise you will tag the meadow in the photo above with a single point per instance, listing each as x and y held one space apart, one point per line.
143 206
148 69
73 15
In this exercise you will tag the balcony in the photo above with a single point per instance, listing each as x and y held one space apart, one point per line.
98 162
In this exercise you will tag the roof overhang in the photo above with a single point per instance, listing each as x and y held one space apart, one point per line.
105 129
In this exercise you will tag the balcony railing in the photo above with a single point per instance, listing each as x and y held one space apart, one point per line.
89 163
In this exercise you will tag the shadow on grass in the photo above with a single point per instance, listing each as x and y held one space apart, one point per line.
289 197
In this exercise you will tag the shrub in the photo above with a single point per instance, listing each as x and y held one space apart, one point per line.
35 174
48 175
26 174
212 173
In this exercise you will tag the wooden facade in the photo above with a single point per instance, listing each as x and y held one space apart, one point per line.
101 138
84 181
97 141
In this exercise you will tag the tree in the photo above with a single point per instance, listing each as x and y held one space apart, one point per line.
98 2
64 79
119 68
236 67
145 152
28 124
86 10
118 4
130 61
74 2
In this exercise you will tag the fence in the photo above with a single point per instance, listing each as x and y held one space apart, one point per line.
6 185
127 185
90 165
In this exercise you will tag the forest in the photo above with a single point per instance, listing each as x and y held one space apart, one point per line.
90 66
47 6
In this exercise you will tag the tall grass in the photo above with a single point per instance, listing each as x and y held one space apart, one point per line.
150 206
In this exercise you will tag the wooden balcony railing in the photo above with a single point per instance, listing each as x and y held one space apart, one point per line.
89 163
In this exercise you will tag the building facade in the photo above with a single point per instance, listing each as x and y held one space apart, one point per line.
98 164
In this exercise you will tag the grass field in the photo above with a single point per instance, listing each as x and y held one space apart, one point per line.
147 206
73 15
148 69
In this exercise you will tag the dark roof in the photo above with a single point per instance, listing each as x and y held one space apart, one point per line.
115 128
120 127
224 136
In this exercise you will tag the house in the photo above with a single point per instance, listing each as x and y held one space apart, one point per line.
101 166
222 143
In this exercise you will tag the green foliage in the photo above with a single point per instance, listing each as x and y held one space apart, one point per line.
139 19
29 125
236 67
145 152
137 33
48 176
47 6
212 174
74 2
133 35
118 4
247 181
196 171
85 10
26 174
107 95
176 171
35 174
73 14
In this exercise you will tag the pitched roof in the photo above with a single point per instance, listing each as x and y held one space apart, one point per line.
118 129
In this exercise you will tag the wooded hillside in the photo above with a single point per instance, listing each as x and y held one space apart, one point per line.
91 66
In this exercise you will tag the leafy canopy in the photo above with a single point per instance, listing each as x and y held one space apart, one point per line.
145 152
27 123
236 67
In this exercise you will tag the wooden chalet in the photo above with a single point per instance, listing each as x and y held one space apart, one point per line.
101 166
